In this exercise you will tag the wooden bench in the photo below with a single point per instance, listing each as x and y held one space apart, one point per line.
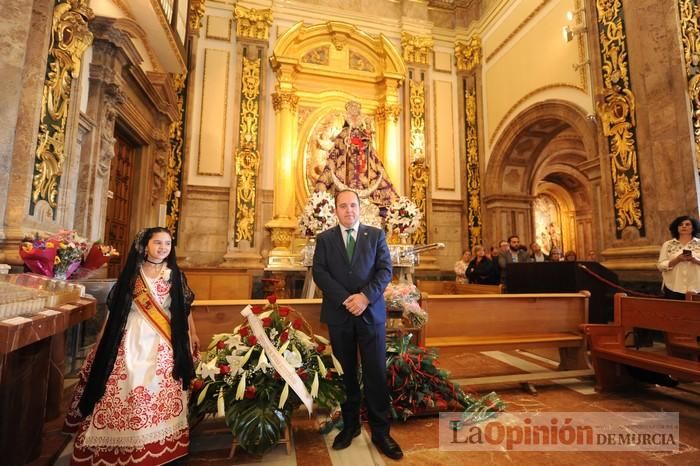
610 356
446 287
511 321
681 344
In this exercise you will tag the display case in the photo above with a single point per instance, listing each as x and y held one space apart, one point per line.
36 313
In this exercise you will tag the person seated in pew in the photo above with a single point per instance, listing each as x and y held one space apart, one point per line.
555 255
481 269
570 256
461 266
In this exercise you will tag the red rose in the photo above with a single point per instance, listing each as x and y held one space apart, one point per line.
272 299
329 375
244 331
250 392
197 385
297 324
283 311
224 369
303 375
320 347
221 344
257 309
267 322
284 336
252 340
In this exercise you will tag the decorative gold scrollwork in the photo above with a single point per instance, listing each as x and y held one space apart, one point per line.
468 54
690 35
617 111
317 56
359 62
473 177
388 111
416 49
247 156
418 172
197 10
251 23
70 37
282 100
173 179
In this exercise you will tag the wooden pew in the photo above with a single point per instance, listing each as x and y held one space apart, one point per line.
610 356
511 321
447 287
683 345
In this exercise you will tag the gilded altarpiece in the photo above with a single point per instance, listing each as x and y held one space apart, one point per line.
690 35
70 37
617 110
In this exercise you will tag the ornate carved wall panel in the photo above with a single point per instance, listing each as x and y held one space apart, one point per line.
247 156
690 32
617 111
474 219
419 173
173 181
69 39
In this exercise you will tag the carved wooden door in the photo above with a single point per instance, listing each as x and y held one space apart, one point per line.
119 202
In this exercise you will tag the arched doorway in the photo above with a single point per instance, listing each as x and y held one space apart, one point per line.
542 180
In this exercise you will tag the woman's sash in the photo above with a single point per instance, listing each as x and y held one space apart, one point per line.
150 308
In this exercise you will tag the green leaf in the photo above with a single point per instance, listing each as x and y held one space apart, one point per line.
257 425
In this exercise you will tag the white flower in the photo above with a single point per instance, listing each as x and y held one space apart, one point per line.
209 369
403 216
293 358
235 363
318 214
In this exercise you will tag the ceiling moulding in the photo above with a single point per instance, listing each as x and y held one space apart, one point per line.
158 34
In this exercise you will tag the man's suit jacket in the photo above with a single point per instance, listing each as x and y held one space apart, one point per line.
369 272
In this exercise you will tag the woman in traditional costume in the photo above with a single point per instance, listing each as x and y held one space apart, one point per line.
130 405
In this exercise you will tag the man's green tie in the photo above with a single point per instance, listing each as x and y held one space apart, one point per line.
350 246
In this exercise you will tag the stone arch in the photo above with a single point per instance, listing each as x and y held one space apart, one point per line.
550 148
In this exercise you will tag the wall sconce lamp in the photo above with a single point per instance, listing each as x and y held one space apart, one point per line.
570 15
569 32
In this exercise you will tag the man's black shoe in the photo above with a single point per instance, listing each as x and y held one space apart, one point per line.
388 447
344 438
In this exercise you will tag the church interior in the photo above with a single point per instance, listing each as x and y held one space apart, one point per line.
226 122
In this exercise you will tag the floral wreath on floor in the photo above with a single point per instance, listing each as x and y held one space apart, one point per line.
417 385
256 376
403 297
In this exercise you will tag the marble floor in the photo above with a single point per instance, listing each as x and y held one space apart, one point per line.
419 439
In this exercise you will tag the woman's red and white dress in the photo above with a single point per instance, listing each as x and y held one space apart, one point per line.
142 416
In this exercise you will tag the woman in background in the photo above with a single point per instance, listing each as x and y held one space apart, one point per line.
130 405
481 269
461 267
679 258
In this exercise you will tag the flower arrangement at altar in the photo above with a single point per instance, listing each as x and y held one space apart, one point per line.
403 297
63 254
257 375
418 385
318 214
403 216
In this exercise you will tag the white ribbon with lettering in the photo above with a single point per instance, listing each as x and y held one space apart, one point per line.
278 362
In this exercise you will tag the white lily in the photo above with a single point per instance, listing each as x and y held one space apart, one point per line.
247 356
323 340
262 361
283 348
283 396
240 391
321 367
262 315
336 364
314 386
220 405
209 369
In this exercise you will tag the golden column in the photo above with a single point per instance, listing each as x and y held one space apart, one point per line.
252 32
284 223
389 112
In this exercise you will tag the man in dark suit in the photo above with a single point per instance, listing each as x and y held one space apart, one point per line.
352 267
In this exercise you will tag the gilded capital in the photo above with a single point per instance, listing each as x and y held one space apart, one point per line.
416 49
196 14
388 112
282 100
468 54
251 23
